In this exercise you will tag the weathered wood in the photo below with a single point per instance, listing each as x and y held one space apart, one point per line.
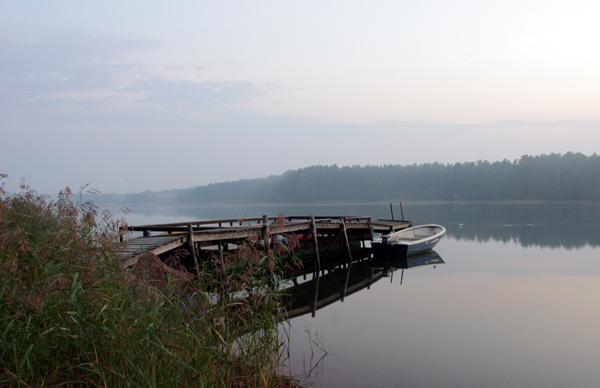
314 236
209 233
346 241
349 252
192 247
265 232
135 248
387 226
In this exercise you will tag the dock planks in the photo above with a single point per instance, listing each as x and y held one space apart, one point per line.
157 245
216 232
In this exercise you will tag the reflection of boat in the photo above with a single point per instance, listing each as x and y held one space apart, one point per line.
395 262
410 241
390 263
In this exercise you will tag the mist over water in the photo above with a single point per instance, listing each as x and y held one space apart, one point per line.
514 305
551 224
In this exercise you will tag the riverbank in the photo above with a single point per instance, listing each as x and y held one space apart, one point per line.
70 314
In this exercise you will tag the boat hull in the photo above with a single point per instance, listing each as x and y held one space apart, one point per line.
402 244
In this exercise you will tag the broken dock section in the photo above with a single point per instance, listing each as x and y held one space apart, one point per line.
319 235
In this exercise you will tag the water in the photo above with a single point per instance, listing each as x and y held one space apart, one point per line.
514 305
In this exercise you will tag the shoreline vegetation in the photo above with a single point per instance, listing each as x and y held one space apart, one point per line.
72 316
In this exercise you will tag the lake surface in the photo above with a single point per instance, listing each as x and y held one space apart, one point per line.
514 305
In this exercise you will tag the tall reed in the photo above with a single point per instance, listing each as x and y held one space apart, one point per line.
71 315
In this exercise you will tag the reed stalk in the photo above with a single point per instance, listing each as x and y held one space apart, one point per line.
72 316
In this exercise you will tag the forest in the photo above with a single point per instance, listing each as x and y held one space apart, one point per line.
570 176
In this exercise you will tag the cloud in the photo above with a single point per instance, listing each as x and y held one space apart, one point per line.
190 97
60 60
79 106
66 72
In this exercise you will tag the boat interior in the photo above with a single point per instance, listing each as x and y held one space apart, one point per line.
414 238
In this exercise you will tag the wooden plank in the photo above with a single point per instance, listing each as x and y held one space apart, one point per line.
183 225
211 232
157 250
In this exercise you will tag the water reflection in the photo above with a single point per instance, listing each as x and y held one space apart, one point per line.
497 315
314 290
388 264
532 235
546 225
516 306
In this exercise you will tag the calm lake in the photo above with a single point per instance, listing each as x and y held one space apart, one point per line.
515 303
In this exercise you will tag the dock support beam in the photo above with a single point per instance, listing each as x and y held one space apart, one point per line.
192 247
313 230
265 233
346 242
349 251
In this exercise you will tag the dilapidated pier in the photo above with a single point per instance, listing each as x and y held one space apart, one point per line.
320 235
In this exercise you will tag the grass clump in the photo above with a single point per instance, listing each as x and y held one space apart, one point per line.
71 315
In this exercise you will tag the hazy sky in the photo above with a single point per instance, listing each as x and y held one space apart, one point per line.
136 95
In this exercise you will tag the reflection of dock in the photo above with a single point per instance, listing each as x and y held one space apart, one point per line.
334 285
203 237
331 285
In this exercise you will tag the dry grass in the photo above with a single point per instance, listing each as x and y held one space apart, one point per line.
71 316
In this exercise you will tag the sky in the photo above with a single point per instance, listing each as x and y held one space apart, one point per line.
128 96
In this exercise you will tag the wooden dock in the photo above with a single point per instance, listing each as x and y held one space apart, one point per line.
217 235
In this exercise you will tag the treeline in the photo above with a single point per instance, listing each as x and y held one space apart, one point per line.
570 176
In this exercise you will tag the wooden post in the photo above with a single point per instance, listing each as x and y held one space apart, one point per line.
346 242
392 211
349 251
193 247
313 228
401 211
265 232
